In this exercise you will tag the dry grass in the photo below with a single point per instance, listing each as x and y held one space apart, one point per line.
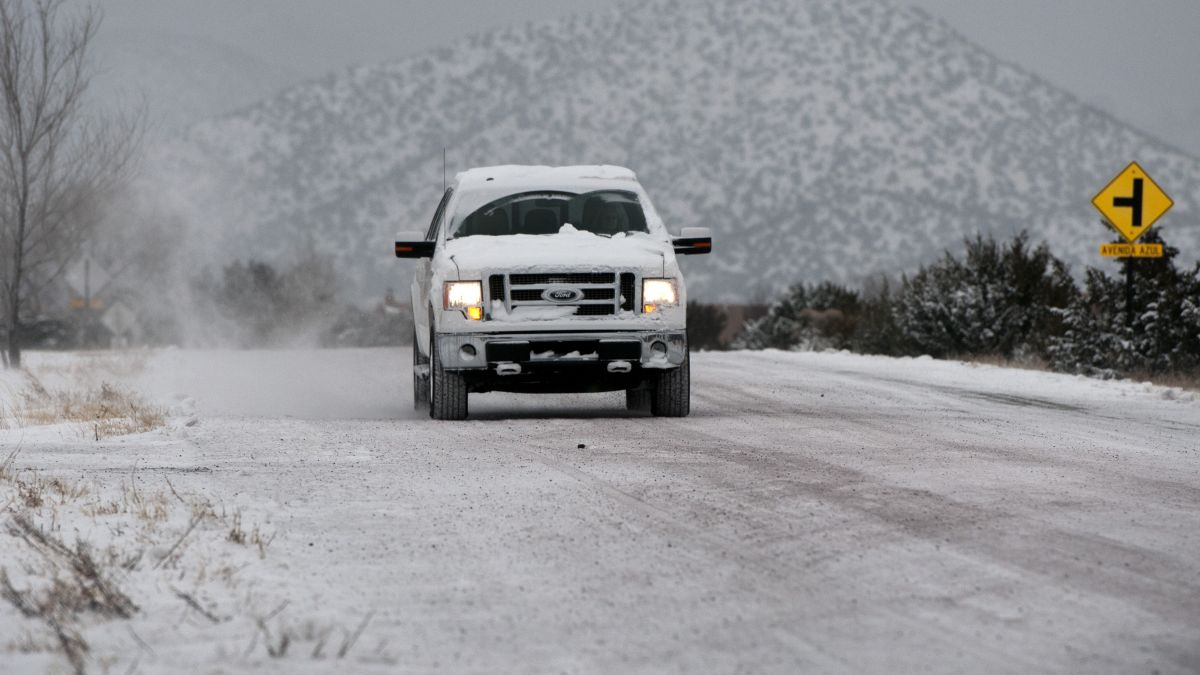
62 588
80 390
236 534
278 642
1028 362
33 490
150 509
1186 381
255 538
102 411
7 473
73 583
84 588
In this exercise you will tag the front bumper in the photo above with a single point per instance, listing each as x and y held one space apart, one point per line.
480 351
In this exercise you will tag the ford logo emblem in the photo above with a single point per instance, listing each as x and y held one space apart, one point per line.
562 294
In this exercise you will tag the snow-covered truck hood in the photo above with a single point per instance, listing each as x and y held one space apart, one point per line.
569 249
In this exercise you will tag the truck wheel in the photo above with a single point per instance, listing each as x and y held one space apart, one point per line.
673 392
449 399
637 400
420 376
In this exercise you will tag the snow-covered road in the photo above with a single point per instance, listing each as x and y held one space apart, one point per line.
817 512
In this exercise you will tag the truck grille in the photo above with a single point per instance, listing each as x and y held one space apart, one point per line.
627 286
604 293
568 278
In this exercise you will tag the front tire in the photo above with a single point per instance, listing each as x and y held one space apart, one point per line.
449 397
672 395
421 375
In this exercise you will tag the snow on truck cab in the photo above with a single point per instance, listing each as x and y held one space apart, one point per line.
552 280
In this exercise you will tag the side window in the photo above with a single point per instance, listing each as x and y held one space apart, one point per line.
437 217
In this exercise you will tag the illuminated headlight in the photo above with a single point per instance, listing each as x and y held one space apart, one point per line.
466 296
658 293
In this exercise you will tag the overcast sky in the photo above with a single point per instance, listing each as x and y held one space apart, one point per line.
1137 60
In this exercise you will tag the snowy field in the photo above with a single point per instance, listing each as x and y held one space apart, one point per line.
816 513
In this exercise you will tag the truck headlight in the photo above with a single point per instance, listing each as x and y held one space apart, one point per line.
658 293
466 296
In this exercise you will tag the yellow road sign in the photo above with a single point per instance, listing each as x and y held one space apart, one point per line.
1132 202
80 303
1131 250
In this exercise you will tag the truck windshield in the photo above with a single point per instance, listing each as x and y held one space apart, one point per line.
603 212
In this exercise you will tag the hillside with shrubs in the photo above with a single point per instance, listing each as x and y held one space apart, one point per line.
1009 301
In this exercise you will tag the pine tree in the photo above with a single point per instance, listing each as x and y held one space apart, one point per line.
876 331
1093 340
1147 320
780 328
821 316
1000 300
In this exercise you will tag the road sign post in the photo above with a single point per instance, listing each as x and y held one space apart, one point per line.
89 282
1131 203
1129 293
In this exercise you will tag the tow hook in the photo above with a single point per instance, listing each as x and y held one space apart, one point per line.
619 366
508 369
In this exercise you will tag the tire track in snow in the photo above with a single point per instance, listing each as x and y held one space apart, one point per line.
785 577
1092 563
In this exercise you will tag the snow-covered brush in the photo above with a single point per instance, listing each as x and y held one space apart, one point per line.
100 412
73 583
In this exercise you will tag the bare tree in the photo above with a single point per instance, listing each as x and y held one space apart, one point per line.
57 158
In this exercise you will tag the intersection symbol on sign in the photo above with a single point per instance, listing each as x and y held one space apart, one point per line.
1132 202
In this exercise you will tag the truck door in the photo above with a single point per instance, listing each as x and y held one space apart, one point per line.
423 278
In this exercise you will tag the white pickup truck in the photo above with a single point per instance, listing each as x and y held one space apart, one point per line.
541 279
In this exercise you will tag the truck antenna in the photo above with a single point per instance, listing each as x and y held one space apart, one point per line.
443 168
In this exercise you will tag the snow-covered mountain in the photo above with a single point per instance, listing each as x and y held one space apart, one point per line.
819 140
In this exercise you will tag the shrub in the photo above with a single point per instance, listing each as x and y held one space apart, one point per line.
811 317
1152 328
875 331
1002 299
267 307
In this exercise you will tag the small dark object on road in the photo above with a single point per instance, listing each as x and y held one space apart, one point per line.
581 446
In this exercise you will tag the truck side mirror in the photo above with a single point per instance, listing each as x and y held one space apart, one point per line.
693 241
413 245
